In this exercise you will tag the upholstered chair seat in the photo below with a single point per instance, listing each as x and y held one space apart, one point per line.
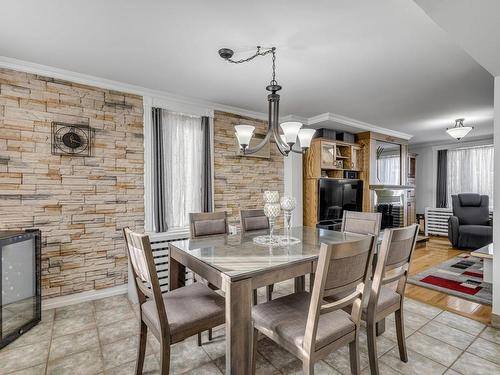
286 317
185 317
386 299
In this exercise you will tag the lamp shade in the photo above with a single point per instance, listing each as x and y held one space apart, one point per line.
291 130
244 134
459 130
305 137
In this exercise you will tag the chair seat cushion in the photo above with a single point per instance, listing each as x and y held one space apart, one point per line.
286 317
387 298
476 230
190 309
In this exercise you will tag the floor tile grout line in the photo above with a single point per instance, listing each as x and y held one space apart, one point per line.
99 337
465 350
50 343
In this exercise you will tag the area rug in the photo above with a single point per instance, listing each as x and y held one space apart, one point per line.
461 276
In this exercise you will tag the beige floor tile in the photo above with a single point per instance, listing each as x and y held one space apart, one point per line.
459 322
63 346
383 370
79 309
432 348
486 349
151 367
119 330
23 357
114 314
186 356
491 334
277 356
71 325
83 363
40 332
452 336
122 351
111 302
417 364
320 368
36 370
469 364
340 361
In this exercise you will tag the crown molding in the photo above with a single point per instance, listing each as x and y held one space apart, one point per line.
179 102
333 117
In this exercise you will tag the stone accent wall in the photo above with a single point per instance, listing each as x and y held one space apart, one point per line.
241 180
79 203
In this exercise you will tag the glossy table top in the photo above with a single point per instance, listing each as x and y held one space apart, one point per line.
238 256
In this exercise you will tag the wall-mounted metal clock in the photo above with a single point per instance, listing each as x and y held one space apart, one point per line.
68 139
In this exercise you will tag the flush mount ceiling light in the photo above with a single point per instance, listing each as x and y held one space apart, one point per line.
459 130
291 130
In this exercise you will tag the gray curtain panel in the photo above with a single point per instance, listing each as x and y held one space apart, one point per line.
159 203
442 183
206 185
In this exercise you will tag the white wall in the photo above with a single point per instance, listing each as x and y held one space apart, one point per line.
496 218
427 169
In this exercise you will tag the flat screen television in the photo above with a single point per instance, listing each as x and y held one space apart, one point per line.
337 195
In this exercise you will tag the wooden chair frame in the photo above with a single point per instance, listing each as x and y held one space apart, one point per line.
367 222
148 276
308 352
199 216
255 213
395 272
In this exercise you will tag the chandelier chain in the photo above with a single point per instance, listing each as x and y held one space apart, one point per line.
260 52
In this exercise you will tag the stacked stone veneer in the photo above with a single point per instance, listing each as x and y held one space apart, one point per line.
79 203
240 181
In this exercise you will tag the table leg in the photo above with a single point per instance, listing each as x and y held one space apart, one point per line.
239 328
300 284
177 274
380 327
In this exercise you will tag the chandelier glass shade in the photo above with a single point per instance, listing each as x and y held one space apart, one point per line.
291 130
459 131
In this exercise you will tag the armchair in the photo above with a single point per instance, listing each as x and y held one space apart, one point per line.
470 226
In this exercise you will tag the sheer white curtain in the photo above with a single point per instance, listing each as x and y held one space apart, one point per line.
182 140
388 170
470 170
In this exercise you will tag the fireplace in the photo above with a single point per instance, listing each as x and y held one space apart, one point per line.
390 201
20 298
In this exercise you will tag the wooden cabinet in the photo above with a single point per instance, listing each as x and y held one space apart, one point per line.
411 210
326 158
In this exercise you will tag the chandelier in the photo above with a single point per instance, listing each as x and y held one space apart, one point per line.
459 130
291 129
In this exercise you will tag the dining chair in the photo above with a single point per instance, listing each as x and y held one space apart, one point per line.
309 327
173 316
362 222
387 288
252 221
203 224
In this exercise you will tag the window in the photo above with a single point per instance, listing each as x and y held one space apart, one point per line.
470 170
183 161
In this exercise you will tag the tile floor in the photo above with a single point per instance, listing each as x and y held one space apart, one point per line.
100 338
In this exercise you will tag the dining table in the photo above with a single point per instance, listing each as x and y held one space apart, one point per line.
236 264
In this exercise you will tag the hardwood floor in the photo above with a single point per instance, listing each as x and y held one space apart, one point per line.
435 251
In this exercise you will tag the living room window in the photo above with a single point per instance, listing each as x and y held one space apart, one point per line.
470 170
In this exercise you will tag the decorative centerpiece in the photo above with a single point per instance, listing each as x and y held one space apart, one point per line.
288 205
272 209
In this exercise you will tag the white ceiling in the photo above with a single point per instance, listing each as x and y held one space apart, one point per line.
475 26
383 62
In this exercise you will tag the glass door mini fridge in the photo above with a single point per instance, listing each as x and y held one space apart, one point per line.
20 279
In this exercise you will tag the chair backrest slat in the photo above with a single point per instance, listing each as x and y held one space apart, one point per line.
208 224
362 222
252 220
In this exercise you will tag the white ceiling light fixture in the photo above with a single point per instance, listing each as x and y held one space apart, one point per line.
459 131
291 129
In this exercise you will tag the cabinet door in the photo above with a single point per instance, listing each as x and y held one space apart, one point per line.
327 155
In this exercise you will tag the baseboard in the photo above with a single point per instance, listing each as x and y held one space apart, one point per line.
495 320
72 299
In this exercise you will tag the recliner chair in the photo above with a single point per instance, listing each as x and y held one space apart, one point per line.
470 226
